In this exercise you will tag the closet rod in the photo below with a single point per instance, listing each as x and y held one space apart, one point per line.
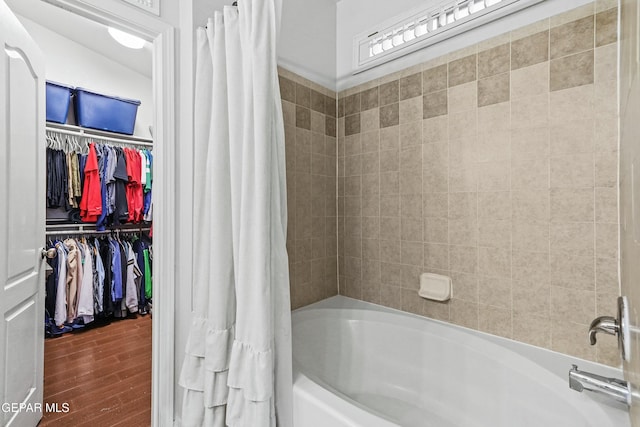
91 226
143 142
95 232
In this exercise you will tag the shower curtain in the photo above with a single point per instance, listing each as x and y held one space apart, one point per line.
237 367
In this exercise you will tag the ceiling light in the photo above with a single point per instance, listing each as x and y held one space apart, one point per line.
126 39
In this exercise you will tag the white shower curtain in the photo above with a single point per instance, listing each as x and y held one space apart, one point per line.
237 369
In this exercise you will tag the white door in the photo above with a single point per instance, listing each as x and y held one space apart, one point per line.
22 216
630 186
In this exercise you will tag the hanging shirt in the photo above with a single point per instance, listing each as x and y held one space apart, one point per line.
120 308
134 186
143 168
107 259
75 178
51 174
80 277
91 202
147 267
123 268
139 189
57 184
132 295
60 315
137 276
124 259
110 179
73 273
51 285
102 167
148 170
116 268
121 213
148 201
139 247
82 163
70 174
85 293
98 279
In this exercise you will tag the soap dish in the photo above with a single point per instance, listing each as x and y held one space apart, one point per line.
435 287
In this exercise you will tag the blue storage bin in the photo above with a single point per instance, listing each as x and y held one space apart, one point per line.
97 111
57 100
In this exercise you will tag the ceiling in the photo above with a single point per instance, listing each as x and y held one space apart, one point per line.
85 32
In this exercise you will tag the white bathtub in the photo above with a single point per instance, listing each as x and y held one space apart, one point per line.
359 364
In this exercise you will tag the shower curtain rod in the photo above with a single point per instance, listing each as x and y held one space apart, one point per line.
85 133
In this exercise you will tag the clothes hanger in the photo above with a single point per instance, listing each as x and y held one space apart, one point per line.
77 144
83 145
54 142
49 140
66 143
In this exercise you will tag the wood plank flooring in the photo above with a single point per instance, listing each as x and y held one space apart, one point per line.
104 374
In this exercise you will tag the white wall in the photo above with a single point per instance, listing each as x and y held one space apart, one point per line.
308 39
307 36
357 16
203 10
73 64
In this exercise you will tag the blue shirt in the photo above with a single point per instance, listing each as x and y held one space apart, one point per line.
116 267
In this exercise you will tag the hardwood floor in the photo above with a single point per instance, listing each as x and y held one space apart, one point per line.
103 374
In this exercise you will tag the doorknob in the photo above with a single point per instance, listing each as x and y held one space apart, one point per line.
50 253
614 326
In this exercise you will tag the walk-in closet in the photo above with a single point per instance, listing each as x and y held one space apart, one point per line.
99 220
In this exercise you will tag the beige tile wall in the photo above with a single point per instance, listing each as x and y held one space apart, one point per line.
497 166
310 141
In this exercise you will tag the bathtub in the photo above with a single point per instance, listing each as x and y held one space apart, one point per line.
359 364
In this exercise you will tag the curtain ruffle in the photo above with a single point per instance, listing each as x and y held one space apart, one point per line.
196 415
243 412
206 364
251 371
246 389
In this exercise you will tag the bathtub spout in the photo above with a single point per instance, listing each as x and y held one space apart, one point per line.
611 387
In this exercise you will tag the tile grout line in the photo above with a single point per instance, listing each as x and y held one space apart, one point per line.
548 130
511 192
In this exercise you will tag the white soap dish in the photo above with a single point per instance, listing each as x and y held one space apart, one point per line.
435 287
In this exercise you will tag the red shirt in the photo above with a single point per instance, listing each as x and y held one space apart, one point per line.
91 202
134 187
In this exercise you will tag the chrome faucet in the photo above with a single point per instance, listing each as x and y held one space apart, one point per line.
614 388
611 387
606 324
614 326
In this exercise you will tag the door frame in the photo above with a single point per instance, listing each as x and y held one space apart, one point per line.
162 35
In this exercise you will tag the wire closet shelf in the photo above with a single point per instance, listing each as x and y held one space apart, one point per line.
65 137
